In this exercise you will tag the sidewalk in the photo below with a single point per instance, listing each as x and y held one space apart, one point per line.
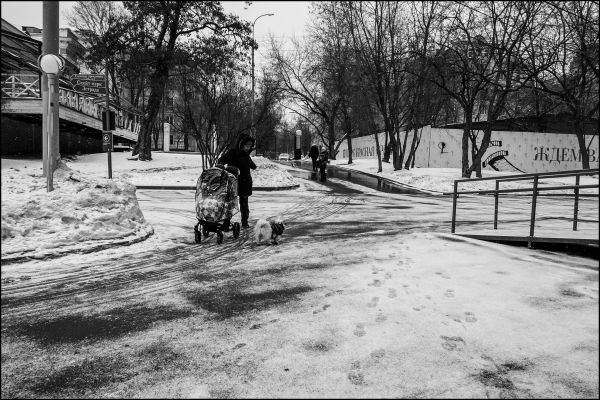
307 165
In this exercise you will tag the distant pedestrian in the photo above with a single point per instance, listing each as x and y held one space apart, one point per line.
322 161
239 157
314 154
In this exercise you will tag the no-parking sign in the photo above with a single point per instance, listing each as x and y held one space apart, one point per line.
107 140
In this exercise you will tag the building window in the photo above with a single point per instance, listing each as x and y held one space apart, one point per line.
170 139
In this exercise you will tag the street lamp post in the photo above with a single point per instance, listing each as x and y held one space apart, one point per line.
252 128
51 65
50 16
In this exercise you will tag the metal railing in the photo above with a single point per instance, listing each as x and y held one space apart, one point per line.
535 191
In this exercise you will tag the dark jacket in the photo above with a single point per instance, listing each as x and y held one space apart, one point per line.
241 159
323 159
314 152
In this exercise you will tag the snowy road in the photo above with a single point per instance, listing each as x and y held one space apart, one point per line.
362 298
70 287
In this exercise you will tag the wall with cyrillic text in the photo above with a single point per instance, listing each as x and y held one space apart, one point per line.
530 152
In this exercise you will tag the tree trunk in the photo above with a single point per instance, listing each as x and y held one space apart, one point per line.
380 166
349 149
388 145
410 161
331 135
157 87
583 148
485 141
466 173
402 152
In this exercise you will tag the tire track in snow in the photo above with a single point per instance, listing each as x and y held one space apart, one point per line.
103 284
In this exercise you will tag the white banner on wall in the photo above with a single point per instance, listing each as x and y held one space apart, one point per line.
508 151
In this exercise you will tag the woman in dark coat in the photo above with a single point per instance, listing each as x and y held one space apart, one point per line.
322 162
239 157
314 153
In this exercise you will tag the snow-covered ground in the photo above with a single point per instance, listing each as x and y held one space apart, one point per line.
87 211
170 169
367 296
442 179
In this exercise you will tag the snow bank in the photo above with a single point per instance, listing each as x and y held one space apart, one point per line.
172 169
82 213
269 174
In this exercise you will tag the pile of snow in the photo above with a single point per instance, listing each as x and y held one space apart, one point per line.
172 169
441 180
270 174
82 213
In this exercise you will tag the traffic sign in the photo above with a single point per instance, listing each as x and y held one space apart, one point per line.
107 140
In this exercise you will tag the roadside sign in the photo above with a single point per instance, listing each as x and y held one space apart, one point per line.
94 84
98 91
88 77
107 140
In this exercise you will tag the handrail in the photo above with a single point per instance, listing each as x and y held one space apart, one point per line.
539 189
535 191
540 174
558 175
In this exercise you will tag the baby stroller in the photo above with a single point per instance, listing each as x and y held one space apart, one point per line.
217 202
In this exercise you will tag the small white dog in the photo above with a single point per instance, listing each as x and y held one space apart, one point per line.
268 229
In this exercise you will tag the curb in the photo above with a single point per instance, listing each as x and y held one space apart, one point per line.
256 189
92 249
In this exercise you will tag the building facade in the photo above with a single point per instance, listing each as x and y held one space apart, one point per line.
80 115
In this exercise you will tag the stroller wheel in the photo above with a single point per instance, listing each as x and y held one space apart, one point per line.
197 236
205 231
219 237
236 230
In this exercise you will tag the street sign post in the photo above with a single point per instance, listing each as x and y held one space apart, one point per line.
107 145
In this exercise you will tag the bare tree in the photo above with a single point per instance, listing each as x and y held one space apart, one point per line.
300 75
341 71
213 105
380 45
567 53
426 99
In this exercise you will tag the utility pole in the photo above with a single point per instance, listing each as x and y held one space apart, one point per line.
253 128
49 46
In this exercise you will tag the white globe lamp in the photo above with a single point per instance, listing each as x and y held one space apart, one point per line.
51 63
